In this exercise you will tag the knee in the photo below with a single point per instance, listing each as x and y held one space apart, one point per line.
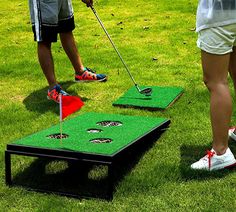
215 85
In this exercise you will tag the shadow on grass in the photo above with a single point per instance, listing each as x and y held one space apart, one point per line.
53 176
190 154
37 101
80 179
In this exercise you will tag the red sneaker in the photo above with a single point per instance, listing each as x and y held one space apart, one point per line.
53 94
90 76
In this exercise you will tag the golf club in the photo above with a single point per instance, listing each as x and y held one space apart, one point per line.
145 91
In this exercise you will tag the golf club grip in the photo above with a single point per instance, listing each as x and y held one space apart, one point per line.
118 53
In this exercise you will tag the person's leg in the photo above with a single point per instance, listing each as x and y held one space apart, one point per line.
215 72
46 62
69 45
65 27
81 73
47 65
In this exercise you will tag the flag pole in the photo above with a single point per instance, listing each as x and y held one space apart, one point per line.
60 101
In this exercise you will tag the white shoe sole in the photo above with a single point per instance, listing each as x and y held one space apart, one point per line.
86 81
226 166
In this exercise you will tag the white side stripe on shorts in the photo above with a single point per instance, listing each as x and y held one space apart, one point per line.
70 7
37 19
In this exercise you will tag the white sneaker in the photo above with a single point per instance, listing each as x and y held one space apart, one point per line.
231 133
212 161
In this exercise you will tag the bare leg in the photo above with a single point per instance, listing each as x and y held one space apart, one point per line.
215 72
46 62
68 44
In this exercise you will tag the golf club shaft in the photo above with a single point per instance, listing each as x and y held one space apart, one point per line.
118 53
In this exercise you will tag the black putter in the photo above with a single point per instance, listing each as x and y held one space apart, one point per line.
145 91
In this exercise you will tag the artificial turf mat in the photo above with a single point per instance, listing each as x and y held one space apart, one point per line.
132 128
161 97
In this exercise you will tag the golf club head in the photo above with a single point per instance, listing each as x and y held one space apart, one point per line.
146 91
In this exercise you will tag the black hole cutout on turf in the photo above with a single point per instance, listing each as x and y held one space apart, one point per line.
58 136
93 130
109 123
101 140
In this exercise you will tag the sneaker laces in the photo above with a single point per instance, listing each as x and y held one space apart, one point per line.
90 70
209 155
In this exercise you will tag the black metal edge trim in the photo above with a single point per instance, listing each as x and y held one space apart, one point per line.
66 154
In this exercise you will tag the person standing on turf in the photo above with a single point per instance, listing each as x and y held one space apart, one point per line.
50 18
216 27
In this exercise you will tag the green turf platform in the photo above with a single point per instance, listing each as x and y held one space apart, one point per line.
81 131
161 98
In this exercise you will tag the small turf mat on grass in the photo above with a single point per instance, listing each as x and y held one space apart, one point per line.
161 97
94 133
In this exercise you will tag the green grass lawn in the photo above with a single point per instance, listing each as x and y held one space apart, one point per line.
161 180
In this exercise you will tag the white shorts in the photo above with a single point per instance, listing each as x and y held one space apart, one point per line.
217 40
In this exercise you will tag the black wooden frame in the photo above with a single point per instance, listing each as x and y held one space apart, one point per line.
87 158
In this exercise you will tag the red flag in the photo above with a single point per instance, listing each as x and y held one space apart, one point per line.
69 105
